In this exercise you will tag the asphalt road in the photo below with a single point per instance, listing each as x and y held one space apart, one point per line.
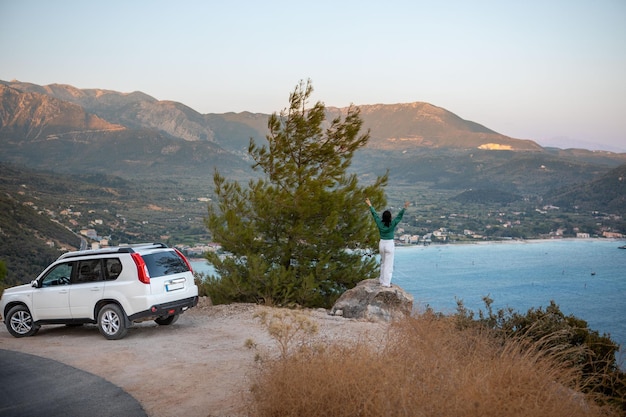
31 386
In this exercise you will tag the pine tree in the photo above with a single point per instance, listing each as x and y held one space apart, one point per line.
297 235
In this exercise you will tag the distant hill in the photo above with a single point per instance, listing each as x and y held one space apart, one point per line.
605 194
413 125
33 116
486 197
42 131
29 241
42 213
36 208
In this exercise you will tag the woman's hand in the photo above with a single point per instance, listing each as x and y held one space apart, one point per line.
367 201
406 204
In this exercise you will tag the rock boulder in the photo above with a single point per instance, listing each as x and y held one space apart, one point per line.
371 301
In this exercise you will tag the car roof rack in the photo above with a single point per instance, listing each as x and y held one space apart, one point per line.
114 249
141 245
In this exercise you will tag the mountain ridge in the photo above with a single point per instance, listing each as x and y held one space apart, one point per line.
392 126
36 116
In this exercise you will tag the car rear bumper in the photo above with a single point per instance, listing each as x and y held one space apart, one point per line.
165 309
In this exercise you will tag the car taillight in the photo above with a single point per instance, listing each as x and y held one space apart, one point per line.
142 268
179 253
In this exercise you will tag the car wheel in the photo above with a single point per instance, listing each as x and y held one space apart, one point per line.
20 323
165 321
111 322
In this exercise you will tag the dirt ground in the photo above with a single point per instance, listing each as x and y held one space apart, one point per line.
200 366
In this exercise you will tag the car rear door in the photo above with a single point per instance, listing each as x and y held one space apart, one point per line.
170 274
87 288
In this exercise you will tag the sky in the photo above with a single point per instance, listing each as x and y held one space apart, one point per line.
553 71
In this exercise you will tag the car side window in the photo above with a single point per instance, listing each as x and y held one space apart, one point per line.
112 268
88 271
59 275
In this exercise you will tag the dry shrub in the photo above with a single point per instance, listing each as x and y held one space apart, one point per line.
289 328
428 368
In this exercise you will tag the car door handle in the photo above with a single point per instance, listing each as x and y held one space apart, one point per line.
95 289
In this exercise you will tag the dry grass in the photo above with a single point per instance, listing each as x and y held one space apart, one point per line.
427 368
289 328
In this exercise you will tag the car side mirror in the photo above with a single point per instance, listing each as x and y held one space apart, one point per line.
34 284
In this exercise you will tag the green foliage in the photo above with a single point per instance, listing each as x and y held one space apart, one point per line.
3 274
3 270
569 338
297 234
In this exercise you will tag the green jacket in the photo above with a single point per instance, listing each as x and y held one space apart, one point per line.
386 232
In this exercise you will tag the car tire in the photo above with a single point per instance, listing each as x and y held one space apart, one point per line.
19 322
112 322
166 321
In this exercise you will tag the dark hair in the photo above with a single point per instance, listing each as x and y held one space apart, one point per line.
387 217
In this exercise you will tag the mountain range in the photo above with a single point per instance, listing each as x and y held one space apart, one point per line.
140 168
66 129
399 126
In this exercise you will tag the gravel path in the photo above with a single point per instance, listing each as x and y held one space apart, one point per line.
200 366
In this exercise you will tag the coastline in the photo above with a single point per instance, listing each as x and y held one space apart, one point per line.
584 276
618 241
519 241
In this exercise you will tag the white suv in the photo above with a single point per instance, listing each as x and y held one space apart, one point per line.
112 287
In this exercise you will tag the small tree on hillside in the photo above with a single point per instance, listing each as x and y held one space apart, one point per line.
3 274
3 271
297 234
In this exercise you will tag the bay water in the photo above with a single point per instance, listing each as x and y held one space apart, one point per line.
586 278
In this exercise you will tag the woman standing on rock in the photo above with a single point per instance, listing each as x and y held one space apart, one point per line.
386 247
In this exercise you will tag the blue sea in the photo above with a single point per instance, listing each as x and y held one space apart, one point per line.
586 278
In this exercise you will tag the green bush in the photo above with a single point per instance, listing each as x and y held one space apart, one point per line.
569 338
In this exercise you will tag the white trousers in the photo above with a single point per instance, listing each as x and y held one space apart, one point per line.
386 249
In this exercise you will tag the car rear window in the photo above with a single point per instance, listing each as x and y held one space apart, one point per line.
164 263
